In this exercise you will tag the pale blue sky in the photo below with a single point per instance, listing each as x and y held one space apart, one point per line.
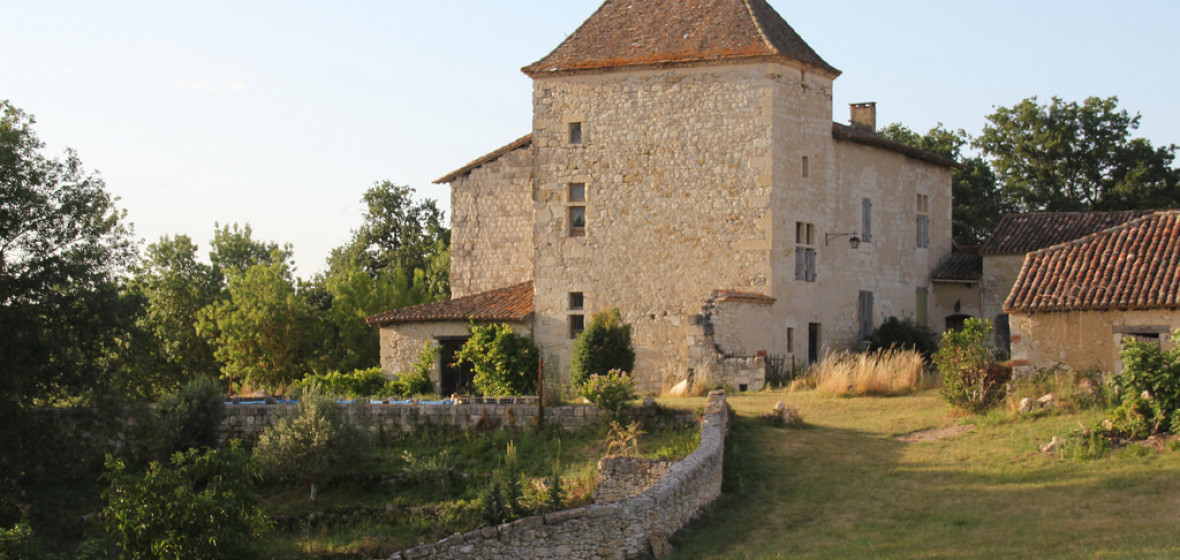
282 114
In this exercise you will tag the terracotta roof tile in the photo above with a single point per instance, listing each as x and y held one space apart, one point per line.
858 136
523 142
965 264
1018 234
1132 266
514 303
674 32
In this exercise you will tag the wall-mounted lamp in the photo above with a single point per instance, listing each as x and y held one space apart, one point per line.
853 239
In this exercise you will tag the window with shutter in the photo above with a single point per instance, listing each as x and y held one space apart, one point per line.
866 211
866 314
805 251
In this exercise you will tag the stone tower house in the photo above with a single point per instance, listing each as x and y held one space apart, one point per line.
683 167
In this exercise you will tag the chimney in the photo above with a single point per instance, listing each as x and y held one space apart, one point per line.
864 116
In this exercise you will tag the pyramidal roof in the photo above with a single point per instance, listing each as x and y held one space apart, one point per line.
624 33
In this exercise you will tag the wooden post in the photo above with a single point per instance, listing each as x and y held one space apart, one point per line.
540 392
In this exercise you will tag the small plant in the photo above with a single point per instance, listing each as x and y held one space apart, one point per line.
610 392
972 378
605 345
1150 382
500 501
200 505
505 364
884 372
416 381
904 334
1086 445
434 467
623 441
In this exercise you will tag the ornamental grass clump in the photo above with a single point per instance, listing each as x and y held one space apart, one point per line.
884 372
610 392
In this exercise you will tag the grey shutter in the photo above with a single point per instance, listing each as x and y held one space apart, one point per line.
800 263
866 207
865 307
811 265
923 231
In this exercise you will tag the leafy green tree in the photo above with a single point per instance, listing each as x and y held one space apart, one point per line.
504 362
978 202
603 346
315 446
174 286
1066 156
234 249
191 418
63 323
398 235
263 332
201 505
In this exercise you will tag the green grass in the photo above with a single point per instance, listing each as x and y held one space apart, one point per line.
845 487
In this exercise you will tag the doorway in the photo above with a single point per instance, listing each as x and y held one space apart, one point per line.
454 379
813 342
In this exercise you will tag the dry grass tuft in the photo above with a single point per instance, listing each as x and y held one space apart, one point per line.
884 372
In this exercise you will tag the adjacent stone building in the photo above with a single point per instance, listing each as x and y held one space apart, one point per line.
683 167
1075 303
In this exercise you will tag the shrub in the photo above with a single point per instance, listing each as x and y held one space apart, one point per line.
904 334
200 505
504 363
191 418
884 372
610 392
972 378
416 381
314 446
1152 374
358 383
603 346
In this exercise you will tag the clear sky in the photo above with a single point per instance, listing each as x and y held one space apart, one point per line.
282 114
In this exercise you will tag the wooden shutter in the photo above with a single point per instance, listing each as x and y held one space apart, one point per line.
866 213
810 265
865 312
800 263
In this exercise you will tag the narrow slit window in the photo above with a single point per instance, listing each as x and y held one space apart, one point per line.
577 209
806 167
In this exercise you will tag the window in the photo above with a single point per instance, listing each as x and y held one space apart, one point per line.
866 219
576 301
577 209
923 221
575 136
923 296
805 251
577 325
790 340
865 313
806 167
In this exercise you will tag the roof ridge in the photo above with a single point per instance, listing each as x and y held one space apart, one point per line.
758 25
1090 236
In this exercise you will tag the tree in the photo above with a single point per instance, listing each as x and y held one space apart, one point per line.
398 236
504 362
315 445
978 202
174 287
234 250
63 244
1069 157
201 505
262 333
603 346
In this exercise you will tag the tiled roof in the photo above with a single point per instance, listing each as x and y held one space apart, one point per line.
1132 266
674 32
741 297
514 303
523 142
856 135
965 264
1018 234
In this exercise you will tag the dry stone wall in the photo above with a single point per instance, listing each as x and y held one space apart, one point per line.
621 529
623 477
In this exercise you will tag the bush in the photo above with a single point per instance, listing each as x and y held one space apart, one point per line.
200 505
1151 375
504 363
358 383
416 381
904 334
314 446
972 378
884 372
603 346
610 392
191 418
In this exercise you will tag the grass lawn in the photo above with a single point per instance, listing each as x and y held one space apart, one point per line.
845 487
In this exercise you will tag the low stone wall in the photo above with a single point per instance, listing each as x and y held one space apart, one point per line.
623 477
247 421
628 528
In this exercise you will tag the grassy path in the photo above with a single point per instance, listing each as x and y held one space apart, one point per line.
846 487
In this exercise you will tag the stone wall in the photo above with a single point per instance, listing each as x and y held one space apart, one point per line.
402 344
246 422
621 529
623 477
492 225
1083 339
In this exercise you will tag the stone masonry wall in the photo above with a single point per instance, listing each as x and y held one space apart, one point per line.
492 225
623 477
618 530
401 345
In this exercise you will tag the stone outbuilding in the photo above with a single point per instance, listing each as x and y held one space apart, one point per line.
1075 303
683 167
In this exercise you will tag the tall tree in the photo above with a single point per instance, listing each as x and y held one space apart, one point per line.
978 202
398 234
234 249
1066 156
